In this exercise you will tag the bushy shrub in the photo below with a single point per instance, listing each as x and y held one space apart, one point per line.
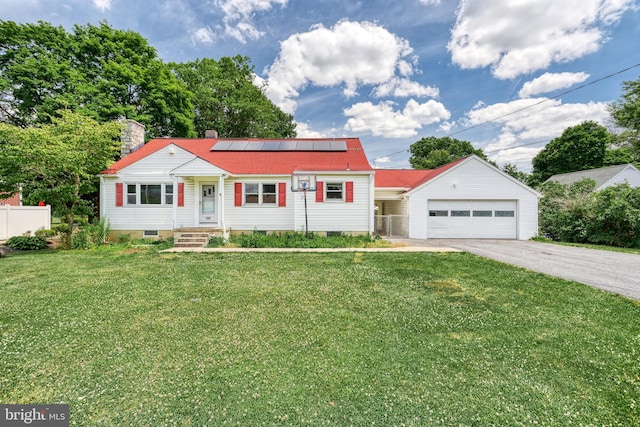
45 233
575 213
300 240
27 243
616 219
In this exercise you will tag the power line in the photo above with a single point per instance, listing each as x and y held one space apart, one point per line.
545 100
516 146
525 108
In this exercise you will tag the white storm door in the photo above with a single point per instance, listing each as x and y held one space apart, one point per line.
207 203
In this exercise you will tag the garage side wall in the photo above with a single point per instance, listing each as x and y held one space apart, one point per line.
473 179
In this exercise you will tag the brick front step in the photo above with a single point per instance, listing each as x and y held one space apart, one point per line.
193 238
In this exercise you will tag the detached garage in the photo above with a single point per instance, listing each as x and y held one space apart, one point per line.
468 198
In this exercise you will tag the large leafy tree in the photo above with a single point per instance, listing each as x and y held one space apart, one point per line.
227 101
58 162
626 114
96 70
579 147
431 152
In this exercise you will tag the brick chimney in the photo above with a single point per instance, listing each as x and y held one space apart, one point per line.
209 133
132 137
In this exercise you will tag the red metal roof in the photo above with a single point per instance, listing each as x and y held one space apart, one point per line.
409 178
259 162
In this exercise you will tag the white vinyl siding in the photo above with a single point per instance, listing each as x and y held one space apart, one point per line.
153 169
322 216
477 181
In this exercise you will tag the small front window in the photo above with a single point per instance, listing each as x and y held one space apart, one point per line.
460 213
438 213
334 191
252 193
268 194
168 194
150 194
257 193
132 194
505 214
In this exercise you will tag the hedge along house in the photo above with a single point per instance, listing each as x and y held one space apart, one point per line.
223 186
468 198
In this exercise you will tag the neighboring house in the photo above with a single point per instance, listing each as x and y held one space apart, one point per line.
238 185
604 177
468 198
14 200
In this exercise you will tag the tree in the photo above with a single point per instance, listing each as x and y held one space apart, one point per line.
626 110
512 170
431 152
227 101
95 70
578 148
565 210
58 162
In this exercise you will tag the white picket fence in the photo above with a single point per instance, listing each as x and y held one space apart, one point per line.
17 220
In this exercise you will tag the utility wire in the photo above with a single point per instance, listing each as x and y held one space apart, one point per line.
525 108
545 100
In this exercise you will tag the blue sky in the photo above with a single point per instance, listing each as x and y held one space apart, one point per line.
392 72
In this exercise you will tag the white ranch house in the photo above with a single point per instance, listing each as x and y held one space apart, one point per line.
200 187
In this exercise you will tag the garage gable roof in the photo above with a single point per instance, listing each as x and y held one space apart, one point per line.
409 178
263 156
448 168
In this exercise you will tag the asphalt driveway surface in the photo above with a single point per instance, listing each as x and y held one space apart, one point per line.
612 271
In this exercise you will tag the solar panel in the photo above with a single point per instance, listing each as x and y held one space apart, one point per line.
280 145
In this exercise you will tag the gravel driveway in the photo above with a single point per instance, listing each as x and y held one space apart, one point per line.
611 271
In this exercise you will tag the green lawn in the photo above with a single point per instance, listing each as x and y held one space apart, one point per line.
135 337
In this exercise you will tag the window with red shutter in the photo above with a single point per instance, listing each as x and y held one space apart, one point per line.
119 194
349 192
181 194
282 194
238 194
320 192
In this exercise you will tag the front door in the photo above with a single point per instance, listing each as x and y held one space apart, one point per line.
207 203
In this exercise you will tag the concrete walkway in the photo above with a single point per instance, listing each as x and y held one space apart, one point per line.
392 249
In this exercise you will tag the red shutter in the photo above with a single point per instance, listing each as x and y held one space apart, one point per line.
181 194
119 194
320 192
282 194
238 194
349 192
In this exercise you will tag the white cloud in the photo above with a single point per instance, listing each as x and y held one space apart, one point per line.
382 120
349 54
304 131
538 124
549 82
404 88
203 35
430 2
103 5
238 16
516 38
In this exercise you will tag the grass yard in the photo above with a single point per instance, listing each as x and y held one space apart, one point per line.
136 337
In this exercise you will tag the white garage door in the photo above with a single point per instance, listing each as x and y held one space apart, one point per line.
472 219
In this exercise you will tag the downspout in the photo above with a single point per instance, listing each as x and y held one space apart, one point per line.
221 210
372 204
174 205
